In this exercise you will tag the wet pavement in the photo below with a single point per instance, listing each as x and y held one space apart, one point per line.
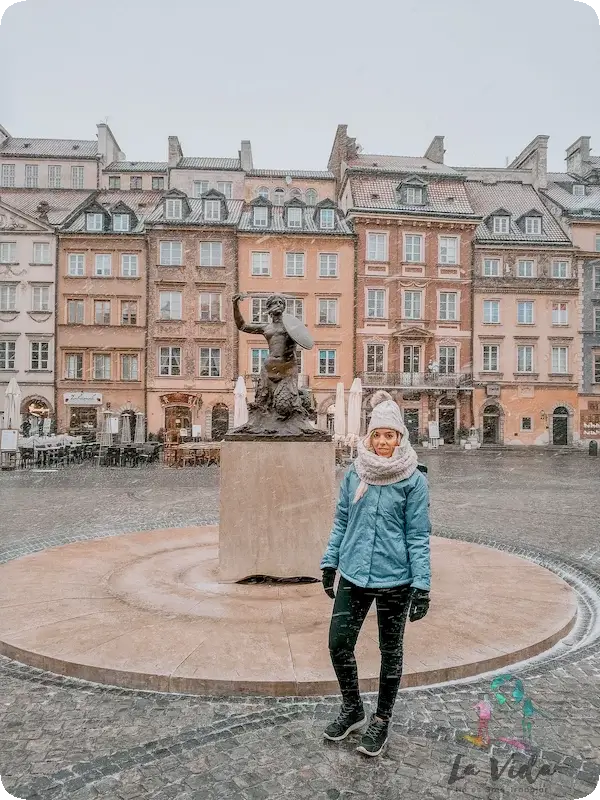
62 738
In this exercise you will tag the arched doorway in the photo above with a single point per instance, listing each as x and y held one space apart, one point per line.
177 417
560 426
447 420
219 422
34 411
491 425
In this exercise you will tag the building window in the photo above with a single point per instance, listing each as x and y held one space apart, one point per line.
76 264
211 254
130 368
501 224
8 297
8 252
7 355
40 300
294 265
170 305
200 188
41 253
294 217
135 182
260 216
103 265
597 279
259 310
448 250
129 265
170 361
598 242
210 362
114 181
447 360
128 312
525 358
413 248
375 358
560 357
597 319
414 195
74 366
261 264
376 247
210 307
490 357
257 359
295 194
295 307
278 197
102 312
226 188
491 312
526 424
212 210
413 304
300 360
328 265
171 254
578 190
121 223
75 312
7 177
376 303
525 269
101 369
327 219
94 222
327 359
596 367
173 209
560 269
559 314
491 267
263 192
533 226
311 197
77 178
327 311
448 306
525 312
54 176
158 182
39 355
31 176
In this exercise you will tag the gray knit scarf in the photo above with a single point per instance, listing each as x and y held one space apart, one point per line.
374 470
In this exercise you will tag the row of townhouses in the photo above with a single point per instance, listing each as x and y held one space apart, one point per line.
471 294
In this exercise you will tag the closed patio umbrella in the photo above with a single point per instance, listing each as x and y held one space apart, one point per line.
125 429
240 406
354 412
12 405
339 419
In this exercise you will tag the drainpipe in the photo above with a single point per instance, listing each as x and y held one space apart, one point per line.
146 329
56 373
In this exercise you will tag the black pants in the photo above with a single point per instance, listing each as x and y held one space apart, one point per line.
349 611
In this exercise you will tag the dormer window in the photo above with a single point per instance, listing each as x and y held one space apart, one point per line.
121 222
501 224
173 209
212 209
327 219
578 190
278 197
533 226
294 217
94 222
260 217
414 195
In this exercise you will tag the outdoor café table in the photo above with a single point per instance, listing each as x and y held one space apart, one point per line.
210 448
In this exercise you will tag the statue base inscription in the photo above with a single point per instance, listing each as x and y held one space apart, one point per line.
277 507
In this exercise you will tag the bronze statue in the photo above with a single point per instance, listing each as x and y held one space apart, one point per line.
280 409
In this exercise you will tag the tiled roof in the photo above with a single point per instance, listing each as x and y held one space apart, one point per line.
561 177
50 148
309 225
209 163
61 202
518 199
141 203
402 164
293 173
379 193
137 166
575 205
196 215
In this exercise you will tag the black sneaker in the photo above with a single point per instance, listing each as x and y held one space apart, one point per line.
348 720
374 738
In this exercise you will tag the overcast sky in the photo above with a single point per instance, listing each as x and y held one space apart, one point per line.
489 76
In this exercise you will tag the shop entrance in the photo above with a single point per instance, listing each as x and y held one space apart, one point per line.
491 425
560 426
220 422
411 420
447 419
83 421
177 417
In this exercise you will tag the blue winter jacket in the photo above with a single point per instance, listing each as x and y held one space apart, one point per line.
383 539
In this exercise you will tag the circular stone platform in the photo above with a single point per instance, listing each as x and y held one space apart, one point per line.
144 611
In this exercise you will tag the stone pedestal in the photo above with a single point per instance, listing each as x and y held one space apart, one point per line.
277 507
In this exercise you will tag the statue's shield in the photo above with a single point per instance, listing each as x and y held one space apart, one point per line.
297 331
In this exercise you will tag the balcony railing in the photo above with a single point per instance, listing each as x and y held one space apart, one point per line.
417 380
252 381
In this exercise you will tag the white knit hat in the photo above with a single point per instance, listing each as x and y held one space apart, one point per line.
386 414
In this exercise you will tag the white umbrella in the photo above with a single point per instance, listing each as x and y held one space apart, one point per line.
140 433
125 429
12 405
240 407
339 419
354 412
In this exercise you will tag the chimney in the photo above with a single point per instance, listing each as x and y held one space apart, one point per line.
43 209
175 151
435 151
246 155
535 158
578 156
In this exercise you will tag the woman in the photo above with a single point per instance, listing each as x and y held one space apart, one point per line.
380 544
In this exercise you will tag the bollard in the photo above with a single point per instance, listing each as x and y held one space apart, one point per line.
593 448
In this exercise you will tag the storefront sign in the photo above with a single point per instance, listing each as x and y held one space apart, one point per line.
180 399
492 390
83 399
590 424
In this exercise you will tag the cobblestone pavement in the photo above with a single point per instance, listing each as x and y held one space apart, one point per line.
61 738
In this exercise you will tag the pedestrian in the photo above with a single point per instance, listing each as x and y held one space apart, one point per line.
380 545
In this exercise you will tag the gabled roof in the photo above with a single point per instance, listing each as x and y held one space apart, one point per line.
61 202
411 164
570 203
292 173
141 204
49 148
137 166
210 163
379 193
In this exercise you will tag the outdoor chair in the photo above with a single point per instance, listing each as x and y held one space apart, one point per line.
26 457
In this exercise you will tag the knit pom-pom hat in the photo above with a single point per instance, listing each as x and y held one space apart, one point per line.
386 414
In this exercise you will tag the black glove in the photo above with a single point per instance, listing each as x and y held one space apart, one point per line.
419 604
328 581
